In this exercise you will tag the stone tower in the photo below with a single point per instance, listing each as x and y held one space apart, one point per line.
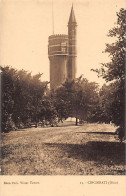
62 54
58 56
72 28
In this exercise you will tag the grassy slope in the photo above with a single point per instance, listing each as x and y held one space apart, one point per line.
91 149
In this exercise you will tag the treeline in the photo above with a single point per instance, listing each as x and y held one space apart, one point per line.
26 100
23 99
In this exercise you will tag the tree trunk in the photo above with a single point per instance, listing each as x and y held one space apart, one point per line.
76 121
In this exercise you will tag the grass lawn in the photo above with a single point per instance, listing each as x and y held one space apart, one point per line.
90 149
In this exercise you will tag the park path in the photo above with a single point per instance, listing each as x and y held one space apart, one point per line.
91 149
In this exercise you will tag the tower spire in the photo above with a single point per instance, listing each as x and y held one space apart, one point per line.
72 18
72 31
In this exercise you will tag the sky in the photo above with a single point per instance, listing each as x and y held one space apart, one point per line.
27 24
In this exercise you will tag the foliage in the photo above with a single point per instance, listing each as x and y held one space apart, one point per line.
105 100
61 98
48 113
114 72
86 100
21 98
77 98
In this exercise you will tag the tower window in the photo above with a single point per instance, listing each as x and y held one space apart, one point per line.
63 49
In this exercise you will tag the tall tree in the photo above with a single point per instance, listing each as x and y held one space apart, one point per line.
114 71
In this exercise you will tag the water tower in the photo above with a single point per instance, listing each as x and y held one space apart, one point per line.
58 56
62 54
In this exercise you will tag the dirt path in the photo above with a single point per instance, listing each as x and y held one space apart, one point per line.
91 149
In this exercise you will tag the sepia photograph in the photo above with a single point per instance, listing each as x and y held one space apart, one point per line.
62 73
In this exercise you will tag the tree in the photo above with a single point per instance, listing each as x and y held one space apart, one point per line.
7 88
77 98
48 113
85 99
22 96
62 100
114 71
106 98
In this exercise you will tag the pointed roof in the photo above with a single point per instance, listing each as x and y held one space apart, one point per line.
72 18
